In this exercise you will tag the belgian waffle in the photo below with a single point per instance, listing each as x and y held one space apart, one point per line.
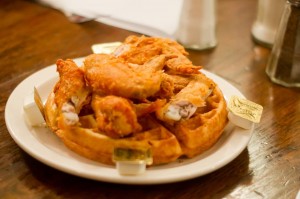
85 140
202 131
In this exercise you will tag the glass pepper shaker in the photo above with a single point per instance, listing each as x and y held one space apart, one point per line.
284 63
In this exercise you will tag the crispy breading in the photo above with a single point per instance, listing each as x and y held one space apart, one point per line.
71 86
138 50
109 75
115 116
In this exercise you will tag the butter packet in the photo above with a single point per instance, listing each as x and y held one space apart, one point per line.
132 161
243 112
105 48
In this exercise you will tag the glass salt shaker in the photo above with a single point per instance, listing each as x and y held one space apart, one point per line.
284 63
267 20
197 24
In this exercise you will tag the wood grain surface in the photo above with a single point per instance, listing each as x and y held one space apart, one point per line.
33 36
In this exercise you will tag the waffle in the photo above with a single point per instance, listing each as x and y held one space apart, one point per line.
201 132
85 140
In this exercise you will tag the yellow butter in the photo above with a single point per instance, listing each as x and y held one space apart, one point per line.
105 48
132 155
132 161
33 115
131 168
245 109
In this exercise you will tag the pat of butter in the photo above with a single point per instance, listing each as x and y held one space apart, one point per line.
33 115
132 161
105 48
243 112
131 167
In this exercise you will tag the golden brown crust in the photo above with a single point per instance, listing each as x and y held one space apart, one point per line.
113 76
51 112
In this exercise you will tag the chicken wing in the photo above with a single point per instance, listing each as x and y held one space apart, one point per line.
115 116
109 75
145 108
139 50
71 92
186 102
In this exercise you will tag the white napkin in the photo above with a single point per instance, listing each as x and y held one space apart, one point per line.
149 17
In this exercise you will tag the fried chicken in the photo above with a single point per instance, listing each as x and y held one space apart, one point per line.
71 92
109 75
138 50
145 108
115 116
184 104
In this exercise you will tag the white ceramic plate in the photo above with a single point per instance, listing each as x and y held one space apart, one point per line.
43 145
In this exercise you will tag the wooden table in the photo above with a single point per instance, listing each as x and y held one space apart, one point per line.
33 36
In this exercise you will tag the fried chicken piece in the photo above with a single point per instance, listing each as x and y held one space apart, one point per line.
168 46
115 116
156 64
181 65
71 92
185 103
166 88
110 75
138 50
181 81
145 108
